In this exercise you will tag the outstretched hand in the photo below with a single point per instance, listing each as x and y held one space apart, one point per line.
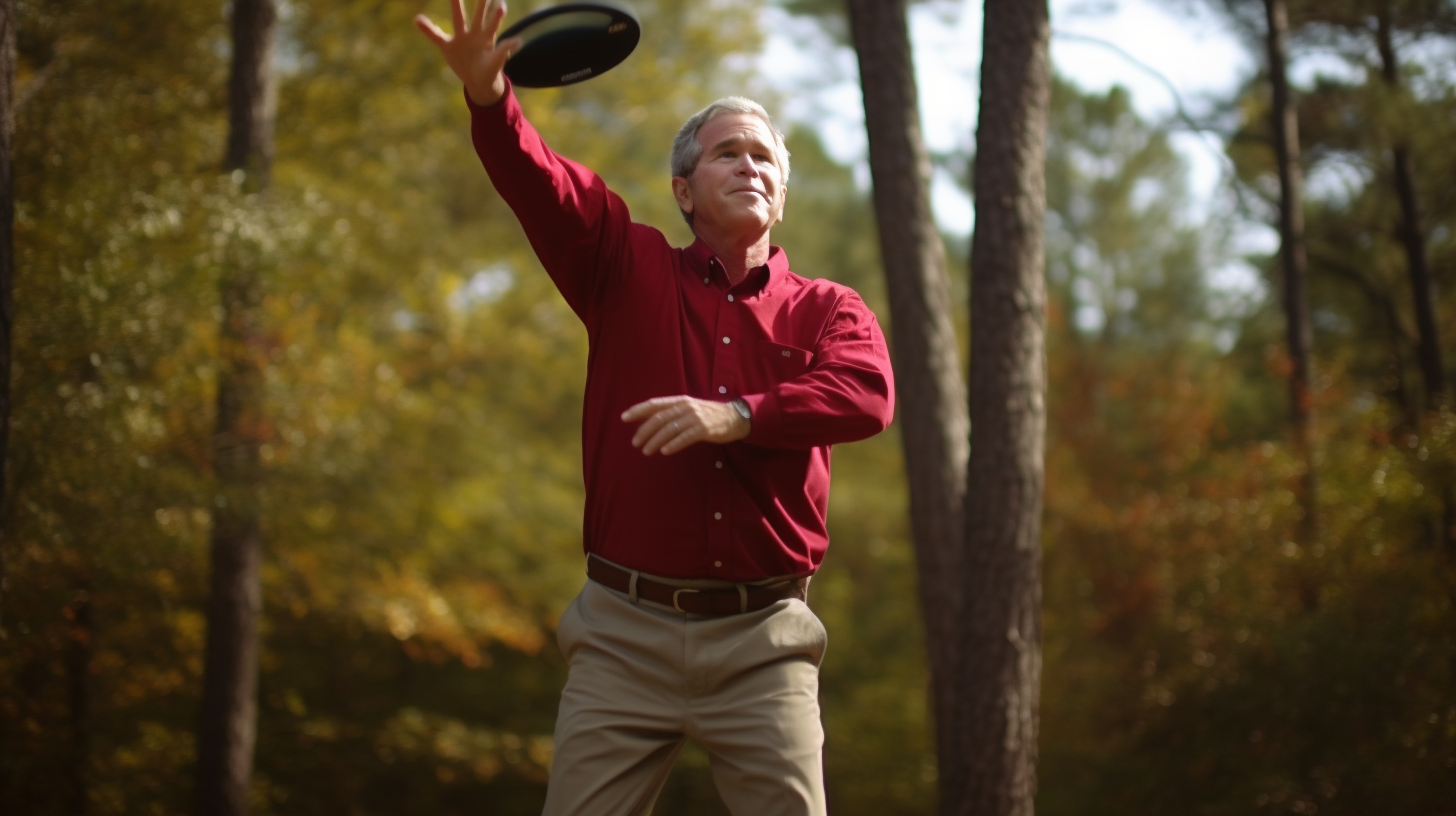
472 53
670 424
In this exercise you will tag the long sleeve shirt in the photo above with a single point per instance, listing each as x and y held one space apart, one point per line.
806 355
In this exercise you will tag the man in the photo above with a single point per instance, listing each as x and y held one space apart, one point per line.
717 382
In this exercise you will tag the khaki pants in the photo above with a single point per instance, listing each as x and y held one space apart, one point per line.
644 678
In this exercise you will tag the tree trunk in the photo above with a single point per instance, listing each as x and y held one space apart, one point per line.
7 265
1423 290
79 651
228 726
1292 259
1411 235
934 429
995 773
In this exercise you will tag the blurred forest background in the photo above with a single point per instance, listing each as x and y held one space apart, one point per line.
422 495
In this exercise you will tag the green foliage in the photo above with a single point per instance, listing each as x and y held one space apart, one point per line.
1126 260
1197 659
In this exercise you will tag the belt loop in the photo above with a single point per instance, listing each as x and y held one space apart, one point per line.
632 585
742 598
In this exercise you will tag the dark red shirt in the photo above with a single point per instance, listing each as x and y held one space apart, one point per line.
806 355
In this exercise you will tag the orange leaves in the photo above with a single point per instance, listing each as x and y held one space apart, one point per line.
456 748
455 618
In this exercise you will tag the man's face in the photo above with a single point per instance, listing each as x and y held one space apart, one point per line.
737 186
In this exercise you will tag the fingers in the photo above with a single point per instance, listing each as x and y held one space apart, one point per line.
429 29
643 410
503 52
669 424
477 18
493 20
672 436
457 16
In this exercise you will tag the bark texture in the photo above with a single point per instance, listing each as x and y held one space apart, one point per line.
994 772
252 92
1412 237
227 730
934 428
1292 257
7 264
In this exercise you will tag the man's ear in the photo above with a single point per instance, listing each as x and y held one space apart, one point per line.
783 202
683 193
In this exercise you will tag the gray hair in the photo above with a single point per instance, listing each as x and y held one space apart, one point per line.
686 150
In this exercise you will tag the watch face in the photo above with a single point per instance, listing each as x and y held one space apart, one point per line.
742 408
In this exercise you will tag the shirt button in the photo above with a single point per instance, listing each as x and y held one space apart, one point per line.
718 464
726 341
705 280
786 354
717 563
718 515
730 298
722 389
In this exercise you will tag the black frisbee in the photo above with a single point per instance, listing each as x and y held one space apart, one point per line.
570 43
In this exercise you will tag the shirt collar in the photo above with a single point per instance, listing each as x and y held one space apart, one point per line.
762 279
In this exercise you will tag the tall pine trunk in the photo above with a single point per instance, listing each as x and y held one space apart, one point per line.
1423 291
1292 258
80 650
7 267
934 429
995 773
1412 237
228 726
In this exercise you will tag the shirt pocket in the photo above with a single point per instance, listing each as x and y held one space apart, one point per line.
775 363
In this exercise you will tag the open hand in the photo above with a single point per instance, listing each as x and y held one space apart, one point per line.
472 53
670 424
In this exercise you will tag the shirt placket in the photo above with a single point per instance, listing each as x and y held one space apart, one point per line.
724 384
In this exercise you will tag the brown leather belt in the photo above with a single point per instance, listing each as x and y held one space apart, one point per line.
731 600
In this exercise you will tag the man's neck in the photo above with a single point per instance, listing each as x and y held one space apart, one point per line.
738 255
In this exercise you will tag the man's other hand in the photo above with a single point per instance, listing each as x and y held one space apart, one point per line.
670 424
472 53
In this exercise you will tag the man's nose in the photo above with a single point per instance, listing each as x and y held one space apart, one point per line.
747 165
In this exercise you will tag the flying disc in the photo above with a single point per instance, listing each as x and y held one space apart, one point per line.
570 43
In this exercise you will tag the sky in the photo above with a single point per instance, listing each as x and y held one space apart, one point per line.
1139 44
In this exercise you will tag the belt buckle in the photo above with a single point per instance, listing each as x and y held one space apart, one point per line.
677 592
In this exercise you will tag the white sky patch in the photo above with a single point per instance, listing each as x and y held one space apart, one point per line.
1138 44
485 286
1140 40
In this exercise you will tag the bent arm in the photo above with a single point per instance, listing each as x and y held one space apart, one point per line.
848 394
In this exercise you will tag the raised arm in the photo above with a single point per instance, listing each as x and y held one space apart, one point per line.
472 52
574 223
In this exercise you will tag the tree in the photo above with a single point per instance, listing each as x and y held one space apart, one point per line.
979 582
228 728
934 430
7 261
1412 236
1292 254
995 772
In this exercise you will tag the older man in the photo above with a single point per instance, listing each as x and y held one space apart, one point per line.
717 382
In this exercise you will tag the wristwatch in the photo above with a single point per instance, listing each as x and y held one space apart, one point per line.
742 408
